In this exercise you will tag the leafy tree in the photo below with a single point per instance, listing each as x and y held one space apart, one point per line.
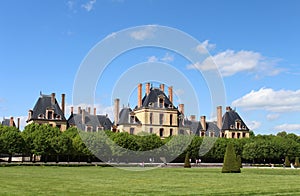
230 163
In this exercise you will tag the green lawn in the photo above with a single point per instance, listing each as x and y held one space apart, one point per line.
34 180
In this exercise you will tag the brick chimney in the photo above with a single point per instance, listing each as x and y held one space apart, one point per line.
83 116
11 121
203 122
181 108
95 111
147 88
116 111
170 91
18 125
162 87
89 110
63 96
140 95
53 98
72 109
79 110
219 117
228 109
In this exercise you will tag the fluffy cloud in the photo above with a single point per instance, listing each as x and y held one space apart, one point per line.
205 46
272 116
288 127
88 6
230 62
152 59
270 100
167 58
253 125
146 33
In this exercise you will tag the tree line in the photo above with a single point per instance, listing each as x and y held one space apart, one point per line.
50 144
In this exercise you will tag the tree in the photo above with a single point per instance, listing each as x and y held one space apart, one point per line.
297 164
287 162
187 163
230 163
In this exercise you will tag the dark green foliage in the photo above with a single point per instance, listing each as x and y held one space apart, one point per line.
187 163
287 162
297 163
239 160
230 164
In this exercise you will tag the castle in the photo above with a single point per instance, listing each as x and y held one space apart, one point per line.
155 113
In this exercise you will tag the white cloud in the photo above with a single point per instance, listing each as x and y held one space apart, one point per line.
167 58
288 127
71 4
112 35
230 62
272 116
204 47
270 100
146 33
152 59
88 6
253 125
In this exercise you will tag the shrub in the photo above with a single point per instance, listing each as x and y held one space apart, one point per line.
297 163
239 160
187 163
230 163
287 162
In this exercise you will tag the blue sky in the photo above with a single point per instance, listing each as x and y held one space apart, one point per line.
254 43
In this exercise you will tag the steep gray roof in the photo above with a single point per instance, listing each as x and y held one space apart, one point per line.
196 127
90 120
212 127
229 119
124 117
44 103
152 99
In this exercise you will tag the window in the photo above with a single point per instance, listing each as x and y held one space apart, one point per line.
238 135
211 134
238 124
171 119
202 133
151 130
89 128
151 118
233 135
50 114
161 119
131 131
58 117
100 129
161 132
132 119
171 132
244 134
161 102
41 116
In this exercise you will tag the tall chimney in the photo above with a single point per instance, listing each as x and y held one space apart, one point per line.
11 121
192 117
219 117
72 109
95 111
89 110
83 116
116 111
181 108
170 89
53 98
140 95
147 88
79 110
203 122
63 103
18 125
162 87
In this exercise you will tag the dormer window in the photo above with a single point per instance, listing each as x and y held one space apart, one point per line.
151 104
238 124
50 114
41 116
132 119
88 128
58 117
161 101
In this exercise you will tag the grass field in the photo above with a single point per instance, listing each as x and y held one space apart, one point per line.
34 180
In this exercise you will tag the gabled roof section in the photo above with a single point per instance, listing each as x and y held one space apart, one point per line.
124 117
152 99
229 121
43 103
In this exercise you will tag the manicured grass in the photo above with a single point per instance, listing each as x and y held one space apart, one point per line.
34 180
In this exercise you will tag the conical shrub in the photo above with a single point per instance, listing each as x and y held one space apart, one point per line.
187 163
287 162
297 164
230 163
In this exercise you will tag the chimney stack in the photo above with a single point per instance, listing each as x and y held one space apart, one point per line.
192 117
83 116
63 103
95 111
162 87
79 110
147 88
18 123
219 117
11 121
53 98
170 89
72 109
140 95
89 110
203 122
228 109
181 108
116 111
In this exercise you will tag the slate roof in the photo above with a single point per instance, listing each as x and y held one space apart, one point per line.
6 122
229 119
90 120
196 127
44 103
152 98
124 117
212 127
